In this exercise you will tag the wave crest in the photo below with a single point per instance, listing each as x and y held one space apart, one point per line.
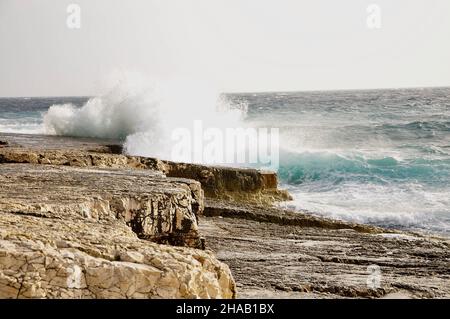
298 168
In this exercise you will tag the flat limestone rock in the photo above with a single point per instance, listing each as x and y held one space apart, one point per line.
303 257
93 233
218 182
50 142
157 208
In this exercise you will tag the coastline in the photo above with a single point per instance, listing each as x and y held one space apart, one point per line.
217 225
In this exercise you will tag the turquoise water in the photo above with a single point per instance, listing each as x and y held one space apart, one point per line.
379 156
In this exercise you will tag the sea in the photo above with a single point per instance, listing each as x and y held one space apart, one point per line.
380 157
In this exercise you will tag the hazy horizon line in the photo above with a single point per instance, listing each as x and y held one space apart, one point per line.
259 92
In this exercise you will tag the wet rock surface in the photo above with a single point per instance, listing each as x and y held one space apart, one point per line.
300 259
280 216
244 185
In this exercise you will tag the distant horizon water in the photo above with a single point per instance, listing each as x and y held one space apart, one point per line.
258 92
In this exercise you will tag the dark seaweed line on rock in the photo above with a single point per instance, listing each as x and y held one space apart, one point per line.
281 216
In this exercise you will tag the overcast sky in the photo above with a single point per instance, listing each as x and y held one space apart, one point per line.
239 45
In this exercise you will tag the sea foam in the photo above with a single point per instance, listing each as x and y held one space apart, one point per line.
144 114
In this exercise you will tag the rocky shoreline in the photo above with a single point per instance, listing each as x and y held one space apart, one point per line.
78 219
305 257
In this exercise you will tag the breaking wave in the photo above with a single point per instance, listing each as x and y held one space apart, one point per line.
144 115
